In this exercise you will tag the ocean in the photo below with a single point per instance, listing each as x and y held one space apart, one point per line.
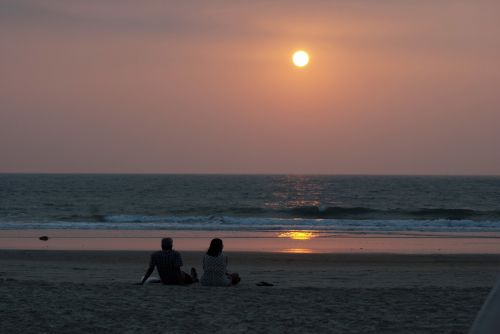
360 204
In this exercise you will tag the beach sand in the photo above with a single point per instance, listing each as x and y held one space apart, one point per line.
93 291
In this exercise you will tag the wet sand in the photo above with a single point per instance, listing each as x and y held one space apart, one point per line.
93 291
270 241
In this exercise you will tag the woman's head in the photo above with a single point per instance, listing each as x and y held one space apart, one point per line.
215 248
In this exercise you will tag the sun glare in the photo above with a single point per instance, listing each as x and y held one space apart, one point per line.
300 58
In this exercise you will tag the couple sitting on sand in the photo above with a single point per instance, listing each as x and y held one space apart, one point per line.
169 263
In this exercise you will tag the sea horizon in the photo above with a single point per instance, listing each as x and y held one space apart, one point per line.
251 174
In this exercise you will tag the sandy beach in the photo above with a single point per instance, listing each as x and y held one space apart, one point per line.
93 291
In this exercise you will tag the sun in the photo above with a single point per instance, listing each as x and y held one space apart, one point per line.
300 58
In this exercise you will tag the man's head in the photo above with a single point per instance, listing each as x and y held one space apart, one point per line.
166 243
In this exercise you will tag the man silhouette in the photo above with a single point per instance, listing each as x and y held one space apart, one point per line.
169 263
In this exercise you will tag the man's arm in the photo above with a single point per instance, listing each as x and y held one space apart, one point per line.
180 275
149 271
178 264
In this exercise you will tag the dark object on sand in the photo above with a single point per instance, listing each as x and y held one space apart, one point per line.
264 284
44 238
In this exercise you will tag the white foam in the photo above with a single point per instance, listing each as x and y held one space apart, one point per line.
210 223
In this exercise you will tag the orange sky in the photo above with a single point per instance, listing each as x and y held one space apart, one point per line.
393 87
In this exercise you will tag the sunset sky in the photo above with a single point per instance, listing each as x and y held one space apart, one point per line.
392 87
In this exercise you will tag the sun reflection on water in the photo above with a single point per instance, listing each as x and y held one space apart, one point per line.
297 235
298 250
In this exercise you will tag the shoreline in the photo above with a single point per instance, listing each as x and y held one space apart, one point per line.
268 242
